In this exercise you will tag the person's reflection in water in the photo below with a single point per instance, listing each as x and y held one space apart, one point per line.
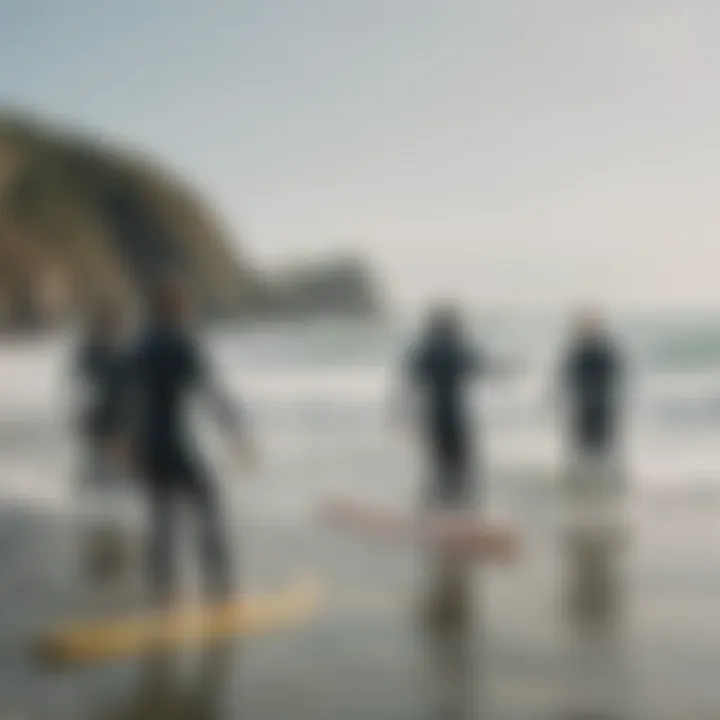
162 694
594 590
449 630
598 679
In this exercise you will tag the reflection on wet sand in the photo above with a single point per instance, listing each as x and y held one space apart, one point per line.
449 631
597 680
161 693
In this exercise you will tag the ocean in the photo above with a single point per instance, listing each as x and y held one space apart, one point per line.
317 396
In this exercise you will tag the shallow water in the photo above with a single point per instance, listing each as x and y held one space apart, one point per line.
640 642
567 629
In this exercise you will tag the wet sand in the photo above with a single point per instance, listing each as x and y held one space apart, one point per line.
400 636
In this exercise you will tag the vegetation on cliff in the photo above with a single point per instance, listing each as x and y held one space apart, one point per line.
78 219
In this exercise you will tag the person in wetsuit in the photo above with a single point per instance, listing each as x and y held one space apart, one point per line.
592 377
166 369
439 370
98 371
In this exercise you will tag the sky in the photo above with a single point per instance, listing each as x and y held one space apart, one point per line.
499 152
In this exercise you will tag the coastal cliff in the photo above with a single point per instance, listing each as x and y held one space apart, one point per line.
79 219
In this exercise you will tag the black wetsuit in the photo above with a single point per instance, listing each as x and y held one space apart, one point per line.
166 369
592 376
441 368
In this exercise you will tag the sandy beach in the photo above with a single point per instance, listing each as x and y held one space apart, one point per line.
375 651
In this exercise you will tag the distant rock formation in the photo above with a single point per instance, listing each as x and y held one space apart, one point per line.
340 287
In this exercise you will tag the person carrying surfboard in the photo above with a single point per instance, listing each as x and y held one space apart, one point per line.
167 366
438 372
432 396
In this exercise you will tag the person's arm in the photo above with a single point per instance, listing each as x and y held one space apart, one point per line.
492 367
560 381
227 410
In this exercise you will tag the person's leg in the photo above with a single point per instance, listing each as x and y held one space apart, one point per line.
213 541
454 487
160 558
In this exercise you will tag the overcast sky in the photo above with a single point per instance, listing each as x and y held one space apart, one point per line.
504 151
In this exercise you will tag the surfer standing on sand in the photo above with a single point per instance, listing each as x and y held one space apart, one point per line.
591 379
439 371
166 368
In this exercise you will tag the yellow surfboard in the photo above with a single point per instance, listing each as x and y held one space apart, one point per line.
101 640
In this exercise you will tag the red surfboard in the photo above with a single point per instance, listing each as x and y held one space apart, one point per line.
455 532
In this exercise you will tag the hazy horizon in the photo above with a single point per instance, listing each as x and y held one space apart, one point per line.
504 153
